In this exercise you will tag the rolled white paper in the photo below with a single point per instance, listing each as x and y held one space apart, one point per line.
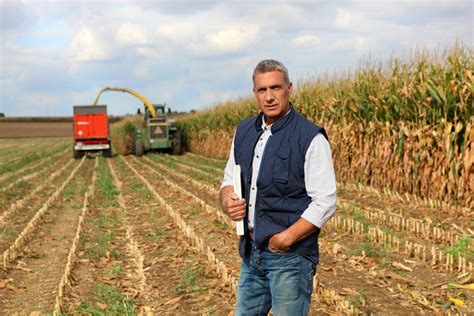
239 225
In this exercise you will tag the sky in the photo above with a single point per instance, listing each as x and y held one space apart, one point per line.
194 54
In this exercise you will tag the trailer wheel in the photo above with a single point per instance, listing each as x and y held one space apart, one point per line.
176 141
77 154
107 153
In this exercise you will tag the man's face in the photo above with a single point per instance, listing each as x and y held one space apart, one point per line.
273 93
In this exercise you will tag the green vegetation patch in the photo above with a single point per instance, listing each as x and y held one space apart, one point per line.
189 282
375 251
109 301
105 184
463 247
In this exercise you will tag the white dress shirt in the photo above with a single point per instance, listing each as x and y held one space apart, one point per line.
319 178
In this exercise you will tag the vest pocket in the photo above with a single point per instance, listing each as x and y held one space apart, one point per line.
281 168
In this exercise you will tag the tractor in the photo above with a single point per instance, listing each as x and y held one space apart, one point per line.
156 133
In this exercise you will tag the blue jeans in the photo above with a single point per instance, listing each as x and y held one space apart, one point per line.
280 281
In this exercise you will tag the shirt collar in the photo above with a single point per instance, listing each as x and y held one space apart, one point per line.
265 126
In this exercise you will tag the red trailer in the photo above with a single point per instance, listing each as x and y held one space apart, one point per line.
91 130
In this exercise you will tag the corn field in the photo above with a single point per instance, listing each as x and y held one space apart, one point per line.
405 126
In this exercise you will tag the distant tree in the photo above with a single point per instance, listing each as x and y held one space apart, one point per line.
169 110
2 114
192 111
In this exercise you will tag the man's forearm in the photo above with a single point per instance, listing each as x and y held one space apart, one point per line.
300 230
296 232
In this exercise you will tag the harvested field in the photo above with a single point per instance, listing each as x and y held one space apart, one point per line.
131 235
35 129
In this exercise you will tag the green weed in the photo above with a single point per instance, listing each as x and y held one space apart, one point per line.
371 250
117 270
159 234
188 283
220 224
116 303
463 247
105 220
105 184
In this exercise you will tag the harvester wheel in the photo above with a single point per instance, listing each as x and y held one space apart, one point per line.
176 147
137 145
77 154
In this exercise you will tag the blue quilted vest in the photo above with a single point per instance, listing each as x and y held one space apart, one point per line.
281 194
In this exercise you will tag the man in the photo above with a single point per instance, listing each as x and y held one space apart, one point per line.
289 191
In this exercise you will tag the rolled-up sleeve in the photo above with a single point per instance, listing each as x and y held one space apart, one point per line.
320 182
229 168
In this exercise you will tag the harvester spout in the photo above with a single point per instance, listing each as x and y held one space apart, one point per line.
132 92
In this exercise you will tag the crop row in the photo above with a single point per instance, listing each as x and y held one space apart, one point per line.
65 279
19 203
7 177
439 259
132 243
47 165
23 237
7 169
402 223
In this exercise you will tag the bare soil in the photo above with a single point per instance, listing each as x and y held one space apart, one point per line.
35 129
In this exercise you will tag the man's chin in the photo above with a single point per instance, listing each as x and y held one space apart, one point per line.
271 118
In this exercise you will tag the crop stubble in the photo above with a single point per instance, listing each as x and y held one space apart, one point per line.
171 247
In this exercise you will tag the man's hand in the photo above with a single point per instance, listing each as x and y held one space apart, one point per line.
231 204
280 242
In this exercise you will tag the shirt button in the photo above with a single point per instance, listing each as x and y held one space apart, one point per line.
250 205
253 188
258 156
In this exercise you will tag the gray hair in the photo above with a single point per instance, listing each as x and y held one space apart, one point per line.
268 65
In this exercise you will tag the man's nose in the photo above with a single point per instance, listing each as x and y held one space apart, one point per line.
269 95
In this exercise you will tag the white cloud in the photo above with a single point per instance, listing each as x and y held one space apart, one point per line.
132 34
178 31
233 38
343 18
87 46
306 41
